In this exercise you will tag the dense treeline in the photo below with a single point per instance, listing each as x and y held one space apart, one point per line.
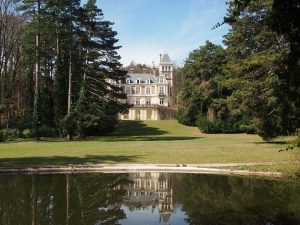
252 85
59 65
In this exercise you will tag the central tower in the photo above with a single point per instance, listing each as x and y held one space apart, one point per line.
166 68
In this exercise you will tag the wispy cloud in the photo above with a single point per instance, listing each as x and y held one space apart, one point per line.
183 27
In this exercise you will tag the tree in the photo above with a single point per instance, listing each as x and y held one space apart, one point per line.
197 91
256 71
98 102
33 8
10 59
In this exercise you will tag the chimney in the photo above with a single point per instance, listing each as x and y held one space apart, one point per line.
154 71
131 70
144 70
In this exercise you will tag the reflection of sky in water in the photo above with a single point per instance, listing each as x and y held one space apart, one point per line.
147 199
145 216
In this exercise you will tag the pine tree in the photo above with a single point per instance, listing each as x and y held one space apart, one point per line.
98 103
33 9
256 59
197 89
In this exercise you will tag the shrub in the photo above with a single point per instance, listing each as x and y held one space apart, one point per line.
10 134
183 116
46 131
1 136
22 123
27 133
228 125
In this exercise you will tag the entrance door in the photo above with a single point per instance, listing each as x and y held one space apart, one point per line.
149 114
137 115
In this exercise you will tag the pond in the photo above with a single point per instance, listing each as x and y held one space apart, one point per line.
147 198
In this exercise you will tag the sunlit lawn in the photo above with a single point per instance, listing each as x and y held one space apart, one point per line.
149 142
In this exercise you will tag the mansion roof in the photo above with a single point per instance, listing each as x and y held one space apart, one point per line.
143 77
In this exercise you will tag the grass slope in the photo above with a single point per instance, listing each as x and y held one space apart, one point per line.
148 142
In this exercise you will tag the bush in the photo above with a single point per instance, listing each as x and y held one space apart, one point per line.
183 116
10 134
1 136
27 133
46 131
230 125
22 123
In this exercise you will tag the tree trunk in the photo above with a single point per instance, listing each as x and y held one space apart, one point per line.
70 91
37 82
70 71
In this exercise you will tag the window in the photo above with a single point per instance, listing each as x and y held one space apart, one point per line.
127 90
148 91
137 90
128 81
138 81
148 184
161 184
148 101
137 184
125 116
161 90
137 101
161 101
161 80
148 81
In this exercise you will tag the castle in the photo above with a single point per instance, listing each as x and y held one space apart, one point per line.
152 95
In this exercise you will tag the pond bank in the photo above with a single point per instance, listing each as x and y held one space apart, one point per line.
122 168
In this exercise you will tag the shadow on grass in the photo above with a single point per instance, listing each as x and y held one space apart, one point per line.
146 138
272 142
65 160
139 131
136 128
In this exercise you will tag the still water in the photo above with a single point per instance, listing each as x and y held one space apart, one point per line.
147 198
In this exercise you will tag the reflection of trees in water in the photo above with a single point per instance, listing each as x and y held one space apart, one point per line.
97 198
61 199
231 200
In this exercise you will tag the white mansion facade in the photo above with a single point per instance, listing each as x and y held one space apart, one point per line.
151 94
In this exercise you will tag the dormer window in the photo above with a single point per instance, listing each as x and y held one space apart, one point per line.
128 81
138 81
148 81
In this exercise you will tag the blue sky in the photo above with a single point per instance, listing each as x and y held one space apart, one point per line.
147 28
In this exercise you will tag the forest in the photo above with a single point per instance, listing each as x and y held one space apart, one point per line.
59 68
252 83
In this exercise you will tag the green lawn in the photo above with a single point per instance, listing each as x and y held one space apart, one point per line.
149 142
